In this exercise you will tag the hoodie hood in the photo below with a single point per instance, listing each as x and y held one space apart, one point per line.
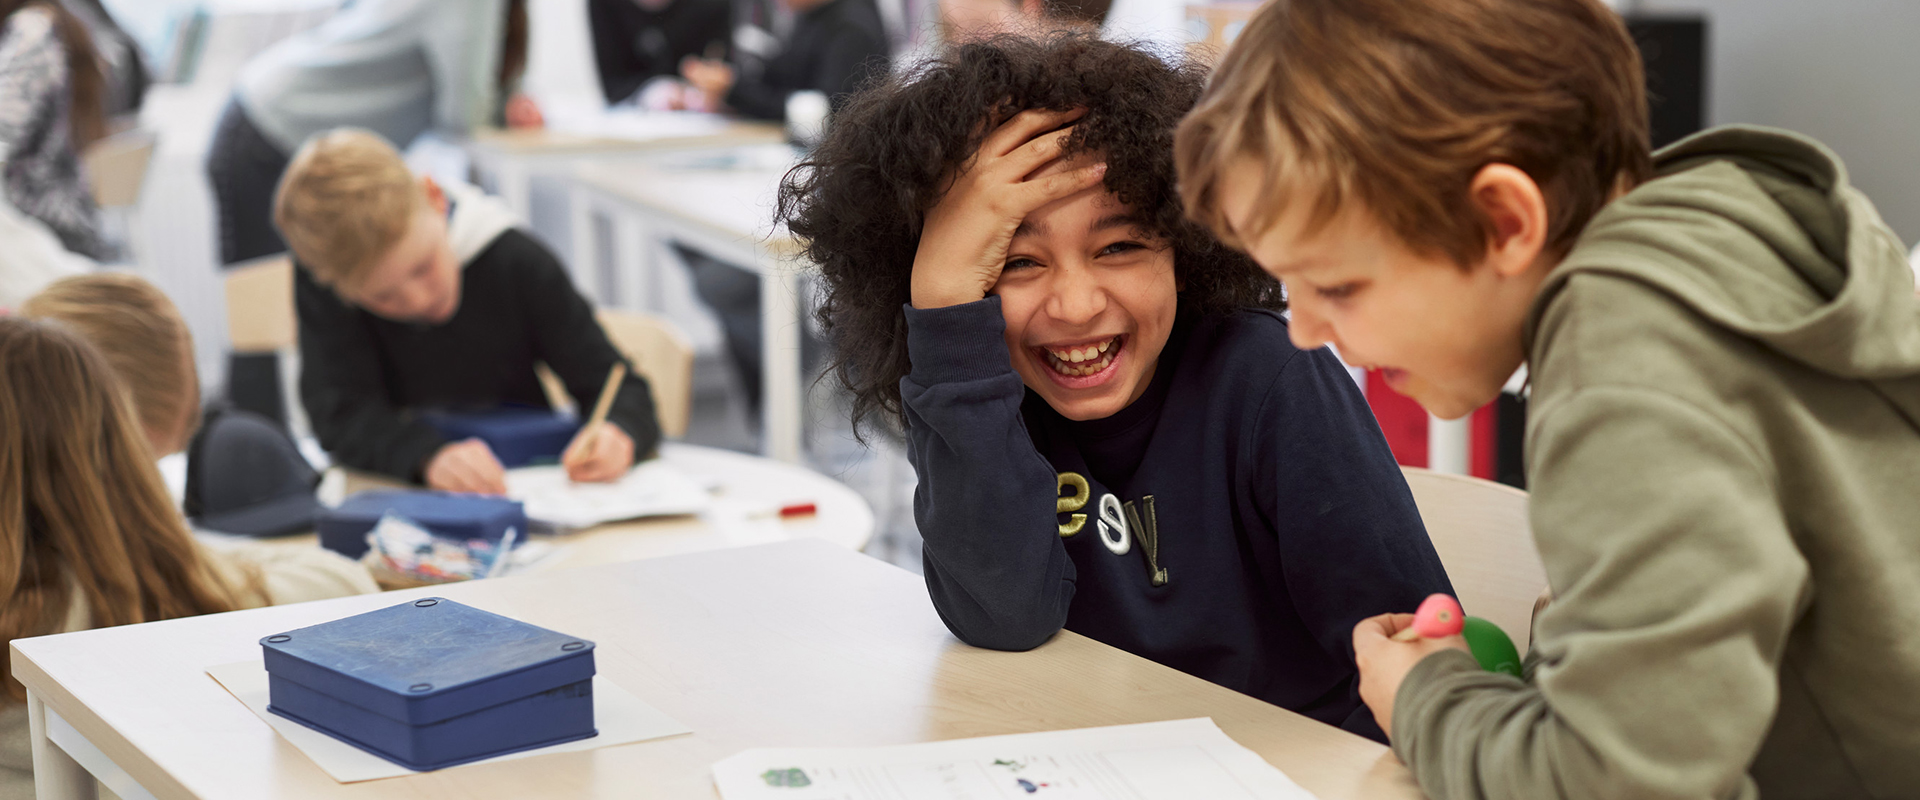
1758 231
476 220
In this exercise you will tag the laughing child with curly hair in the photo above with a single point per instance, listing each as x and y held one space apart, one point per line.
1111 430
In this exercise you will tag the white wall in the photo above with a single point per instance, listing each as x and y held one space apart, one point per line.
1846 72
1161 22
151 22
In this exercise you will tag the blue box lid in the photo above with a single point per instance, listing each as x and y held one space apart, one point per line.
427 660
517 436
455 516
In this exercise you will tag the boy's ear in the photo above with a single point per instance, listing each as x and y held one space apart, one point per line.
1516 214
436 196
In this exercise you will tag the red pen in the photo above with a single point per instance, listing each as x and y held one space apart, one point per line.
798 508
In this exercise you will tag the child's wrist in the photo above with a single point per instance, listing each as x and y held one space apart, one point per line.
942 296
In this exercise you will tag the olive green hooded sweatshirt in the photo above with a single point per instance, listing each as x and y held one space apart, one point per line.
1724 450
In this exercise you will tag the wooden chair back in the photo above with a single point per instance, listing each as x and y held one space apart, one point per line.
260 315
1481 532
659 352
116 167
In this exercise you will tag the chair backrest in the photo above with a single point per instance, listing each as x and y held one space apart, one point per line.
659 352
116 167
664 356
260 305
1480 530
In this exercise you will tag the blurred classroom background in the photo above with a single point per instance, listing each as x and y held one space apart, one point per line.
643 205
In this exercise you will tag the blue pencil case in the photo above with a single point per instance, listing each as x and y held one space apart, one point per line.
464 517
433 683
517 436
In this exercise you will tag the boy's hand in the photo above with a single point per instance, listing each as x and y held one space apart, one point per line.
523 112
602 460
1384 663
963 245
466 466
712 77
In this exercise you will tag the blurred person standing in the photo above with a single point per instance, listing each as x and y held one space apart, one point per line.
397 67
638 43
835 46
51 108
124 68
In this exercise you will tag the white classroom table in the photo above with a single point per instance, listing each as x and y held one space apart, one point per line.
792 644
748 492
718 201
511 159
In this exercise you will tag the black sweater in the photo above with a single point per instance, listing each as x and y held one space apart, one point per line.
363 378
832 50
1238 519
633 45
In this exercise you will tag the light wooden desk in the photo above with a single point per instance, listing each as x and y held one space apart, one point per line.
799 643
748 487
725 211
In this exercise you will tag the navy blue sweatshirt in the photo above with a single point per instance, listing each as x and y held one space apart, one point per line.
1235 522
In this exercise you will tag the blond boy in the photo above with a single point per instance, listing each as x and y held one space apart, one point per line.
416 297
1724 350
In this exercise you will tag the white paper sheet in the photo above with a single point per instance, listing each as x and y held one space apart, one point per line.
1175 760
653 489
620 717
634 124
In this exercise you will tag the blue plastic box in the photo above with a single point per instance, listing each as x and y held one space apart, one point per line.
433 683
517 436
464 517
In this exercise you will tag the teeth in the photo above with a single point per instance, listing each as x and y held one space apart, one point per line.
1075 355
1082 361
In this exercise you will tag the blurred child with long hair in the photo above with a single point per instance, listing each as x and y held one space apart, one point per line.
89 537
145 342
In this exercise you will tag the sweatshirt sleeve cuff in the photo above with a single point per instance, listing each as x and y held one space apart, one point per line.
416 448
1421 692
957 343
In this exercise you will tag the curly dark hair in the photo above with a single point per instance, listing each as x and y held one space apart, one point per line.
857 203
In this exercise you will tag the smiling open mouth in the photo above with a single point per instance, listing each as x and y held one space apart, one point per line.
1083 360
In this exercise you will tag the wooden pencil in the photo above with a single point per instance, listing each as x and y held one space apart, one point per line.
591 430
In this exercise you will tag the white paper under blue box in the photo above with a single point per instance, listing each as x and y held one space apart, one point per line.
433 683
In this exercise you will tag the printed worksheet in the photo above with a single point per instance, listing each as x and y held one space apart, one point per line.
651 489
1176 760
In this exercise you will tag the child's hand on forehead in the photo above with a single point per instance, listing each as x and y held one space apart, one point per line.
963 245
